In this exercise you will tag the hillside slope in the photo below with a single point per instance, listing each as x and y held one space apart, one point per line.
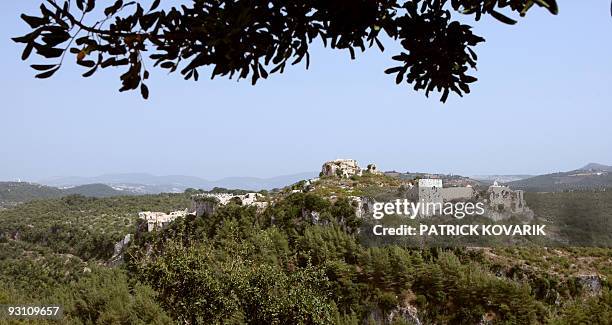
22 192
95 190
12 193
592 176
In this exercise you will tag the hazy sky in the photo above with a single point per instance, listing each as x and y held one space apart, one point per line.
542 104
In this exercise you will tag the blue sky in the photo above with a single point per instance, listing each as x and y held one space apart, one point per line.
542 104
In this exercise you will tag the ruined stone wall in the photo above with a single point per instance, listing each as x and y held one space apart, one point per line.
457 193
159 220
341 167
505 198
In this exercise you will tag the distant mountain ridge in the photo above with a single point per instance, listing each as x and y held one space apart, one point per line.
95 190
12 193
592 176
597 167
149 184
500 178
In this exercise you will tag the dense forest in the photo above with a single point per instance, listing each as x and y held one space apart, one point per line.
239 265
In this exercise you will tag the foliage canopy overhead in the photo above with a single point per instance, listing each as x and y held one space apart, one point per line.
253 39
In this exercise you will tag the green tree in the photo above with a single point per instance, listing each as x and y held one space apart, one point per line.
252 39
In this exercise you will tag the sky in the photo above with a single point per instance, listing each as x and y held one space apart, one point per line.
541 104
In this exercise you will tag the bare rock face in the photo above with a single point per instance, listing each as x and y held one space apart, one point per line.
203 206
120 246
590 283
408 314
488 319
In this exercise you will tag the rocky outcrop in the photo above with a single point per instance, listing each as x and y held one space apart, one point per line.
408 314
120 246
590 284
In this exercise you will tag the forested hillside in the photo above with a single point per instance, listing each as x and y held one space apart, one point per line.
13 193
16 192
276 266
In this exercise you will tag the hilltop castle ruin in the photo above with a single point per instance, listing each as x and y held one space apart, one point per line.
346 168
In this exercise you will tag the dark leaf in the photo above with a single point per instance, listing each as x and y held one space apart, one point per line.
91 4
444 96
90 72
82 40
34 22
23 39
399 77
56 38
469 79
154 5
49 52
47 74
43 67
108 62
80 4
474 56
502 18
86 63
167 65
551 5
27 51
114 8
263 72
393 70
379 44
144 91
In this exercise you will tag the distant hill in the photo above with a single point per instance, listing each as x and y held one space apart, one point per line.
597 167
499 178
150 184
12 193
95 190
590 177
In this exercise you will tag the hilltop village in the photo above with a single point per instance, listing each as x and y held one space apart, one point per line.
345 178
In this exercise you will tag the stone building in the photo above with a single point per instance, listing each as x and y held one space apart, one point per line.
341 167
372 169
203 205
430 191
503 198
